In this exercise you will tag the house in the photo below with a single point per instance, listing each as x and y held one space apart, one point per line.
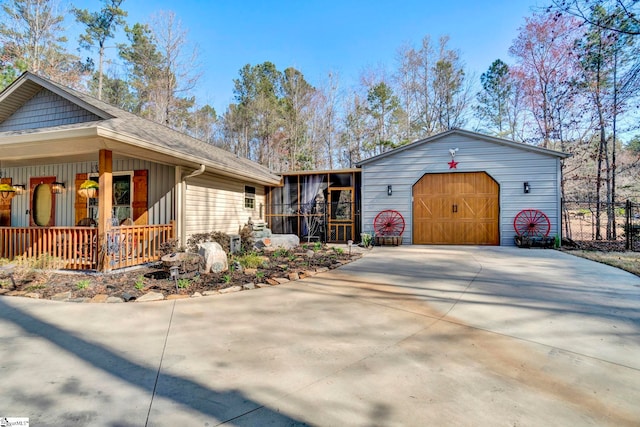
463 188
155 184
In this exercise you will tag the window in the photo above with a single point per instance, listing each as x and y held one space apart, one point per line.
122 200
249 197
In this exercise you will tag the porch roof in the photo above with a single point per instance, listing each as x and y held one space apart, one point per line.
126 134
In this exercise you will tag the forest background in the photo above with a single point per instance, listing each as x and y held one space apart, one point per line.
571 83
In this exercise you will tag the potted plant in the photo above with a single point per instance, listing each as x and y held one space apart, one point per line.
89 189
7 191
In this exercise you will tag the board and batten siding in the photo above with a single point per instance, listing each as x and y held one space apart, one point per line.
509 166
160 186
215 203
46 109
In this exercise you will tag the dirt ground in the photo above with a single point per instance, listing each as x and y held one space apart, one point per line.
133 283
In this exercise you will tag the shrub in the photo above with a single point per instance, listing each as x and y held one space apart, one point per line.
251 260
169 247
219 237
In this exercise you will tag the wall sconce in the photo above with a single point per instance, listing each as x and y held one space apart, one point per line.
526 187
389 190
57 187
19 189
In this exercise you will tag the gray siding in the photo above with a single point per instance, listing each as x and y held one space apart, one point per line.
46 109
216 203
509 166
160 189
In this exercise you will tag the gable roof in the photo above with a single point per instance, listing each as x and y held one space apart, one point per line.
474 135
130 129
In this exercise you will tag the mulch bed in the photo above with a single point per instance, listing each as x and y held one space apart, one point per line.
134 283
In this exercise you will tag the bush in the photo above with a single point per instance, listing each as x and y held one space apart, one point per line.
251 260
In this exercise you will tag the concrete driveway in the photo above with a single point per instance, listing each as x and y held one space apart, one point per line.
405 336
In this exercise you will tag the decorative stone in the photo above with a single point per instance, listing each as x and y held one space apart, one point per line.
62 296
81 299
208 293
321 269
284 241
309 273
271 281
310 254
177 296
263 285
230 289
214 257
196 295
294 276
113 300
151 296
250 271
99 298
281 280
33 295
249 286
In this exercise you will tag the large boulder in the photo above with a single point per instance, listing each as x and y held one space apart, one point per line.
215 258
278 241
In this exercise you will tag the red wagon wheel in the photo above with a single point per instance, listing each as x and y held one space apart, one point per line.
388 223
532 223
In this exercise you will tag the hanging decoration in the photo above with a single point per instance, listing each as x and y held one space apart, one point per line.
453 164
89 189
7 191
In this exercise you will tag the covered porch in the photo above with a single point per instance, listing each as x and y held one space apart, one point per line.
54 223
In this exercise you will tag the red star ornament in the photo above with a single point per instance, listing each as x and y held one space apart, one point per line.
453 164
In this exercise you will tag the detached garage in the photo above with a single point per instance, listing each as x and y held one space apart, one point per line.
462 188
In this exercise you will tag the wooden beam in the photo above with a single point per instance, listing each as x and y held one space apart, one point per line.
105 200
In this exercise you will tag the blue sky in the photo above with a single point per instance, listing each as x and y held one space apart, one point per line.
318 37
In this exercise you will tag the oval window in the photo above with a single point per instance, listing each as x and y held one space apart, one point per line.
42 204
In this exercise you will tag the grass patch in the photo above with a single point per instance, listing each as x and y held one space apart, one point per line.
628 261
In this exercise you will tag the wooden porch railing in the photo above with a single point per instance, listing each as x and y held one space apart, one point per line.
129 245
76 248
71 248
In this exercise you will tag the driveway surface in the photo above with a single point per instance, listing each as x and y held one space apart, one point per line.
406 336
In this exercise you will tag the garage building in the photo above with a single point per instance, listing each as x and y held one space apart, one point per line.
462 188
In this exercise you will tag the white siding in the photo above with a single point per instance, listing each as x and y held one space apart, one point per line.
160 189
46 109
216 203
509 166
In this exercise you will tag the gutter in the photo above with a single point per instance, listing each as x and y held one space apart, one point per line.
195 173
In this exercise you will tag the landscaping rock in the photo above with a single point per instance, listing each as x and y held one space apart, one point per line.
263 285
215 258
151 296
249 286
81 299
33 295
250 271
114 300
62 296
284 241
271 281
196 295
281 280
99 298
230 289
310 254
177 296
321 269
294 276
209 293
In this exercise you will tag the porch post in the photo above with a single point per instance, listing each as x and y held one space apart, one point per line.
105 168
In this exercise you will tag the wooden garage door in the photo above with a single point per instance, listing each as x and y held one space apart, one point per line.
456 209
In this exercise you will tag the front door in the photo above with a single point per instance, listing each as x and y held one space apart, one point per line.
341 214
43 202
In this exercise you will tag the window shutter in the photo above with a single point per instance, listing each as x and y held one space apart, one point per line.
140 197
5 207
81 202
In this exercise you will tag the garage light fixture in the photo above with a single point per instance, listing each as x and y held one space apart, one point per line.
526 187
389 190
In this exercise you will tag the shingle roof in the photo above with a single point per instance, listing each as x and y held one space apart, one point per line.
127 124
